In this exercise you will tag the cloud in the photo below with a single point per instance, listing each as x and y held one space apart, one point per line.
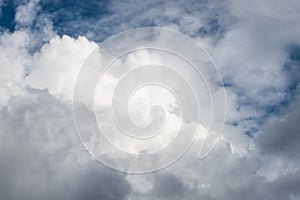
167 186
14 61
282 135
253 53
100 19
41 158
57 64
279 145
26 13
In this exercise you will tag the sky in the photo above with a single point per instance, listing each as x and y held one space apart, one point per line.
254 44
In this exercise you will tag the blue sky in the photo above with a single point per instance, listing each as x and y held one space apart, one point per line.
7 16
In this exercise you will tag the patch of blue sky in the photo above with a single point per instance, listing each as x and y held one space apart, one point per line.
74 18
97 20
292 69
7 16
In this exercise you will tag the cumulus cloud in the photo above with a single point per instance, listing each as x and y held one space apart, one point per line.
41 158
57 65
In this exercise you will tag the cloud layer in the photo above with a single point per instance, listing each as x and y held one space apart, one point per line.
256 45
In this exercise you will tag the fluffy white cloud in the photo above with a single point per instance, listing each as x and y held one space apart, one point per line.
57 64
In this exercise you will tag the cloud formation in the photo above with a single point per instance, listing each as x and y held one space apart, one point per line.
254 43
41 158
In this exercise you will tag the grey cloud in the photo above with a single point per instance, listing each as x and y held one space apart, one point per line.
40 159
282 136
167 186
224 175
252 57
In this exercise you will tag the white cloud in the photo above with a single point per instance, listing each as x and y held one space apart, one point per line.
57 64
14 60
25 14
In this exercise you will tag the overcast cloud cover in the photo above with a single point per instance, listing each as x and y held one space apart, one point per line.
256 45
